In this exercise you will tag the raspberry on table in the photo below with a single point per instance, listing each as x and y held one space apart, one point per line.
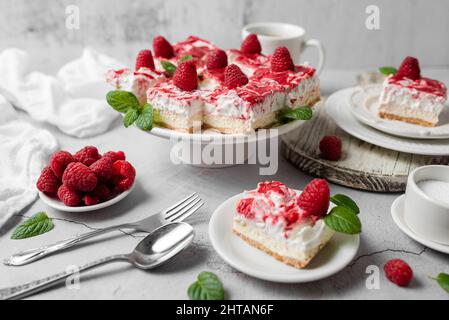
59 161
123 174
48 182
87 155
68 196
398 272
79 177
331 148
315 198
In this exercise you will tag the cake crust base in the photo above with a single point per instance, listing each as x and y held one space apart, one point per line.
420 122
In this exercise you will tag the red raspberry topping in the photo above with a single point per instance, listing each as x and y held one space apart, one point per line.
90 200
101 192
244 207
144 59
70 197
78 177
251 44
216 59
119 155
276 186
162 48
281 60
87 155
48 182
409 69
291 216
330 147
103 168
59 161
234 77
185 77
315 198
123 174
398 272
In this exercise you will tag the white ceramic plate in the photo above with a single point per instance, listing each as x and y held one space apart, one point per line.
365 107
397 212
339 109
59 205
336 255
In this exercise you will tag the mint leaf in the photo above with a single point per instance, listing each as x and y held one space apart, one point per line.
388 70
345 201
207 287
185 58
169 67
300 113
130 116
343 220
121 100
145 118
36 225
443 280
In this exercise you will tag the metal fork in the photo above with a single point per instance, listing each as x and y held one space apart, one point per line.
176 213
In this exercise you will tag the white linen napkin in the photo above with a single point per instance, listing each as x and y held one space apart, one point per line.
73 100
24 151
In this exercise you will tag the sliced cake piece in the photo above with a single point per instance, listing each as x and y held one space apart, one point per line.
409 97
270 219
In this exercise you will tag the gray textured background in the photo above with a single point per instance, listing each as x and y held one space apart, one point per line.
408 27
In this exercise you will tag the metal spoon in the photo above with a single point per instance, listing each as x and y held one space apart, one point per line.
157 247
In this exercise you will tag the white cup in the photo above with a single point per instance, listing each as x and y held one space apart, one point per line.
426 208
276 34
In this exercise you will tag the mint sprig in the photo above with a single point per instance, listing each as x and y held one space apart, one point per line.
38 224
343 220
185 58
207 287
345 201
169 67
300 113
127 103
443 281
388 70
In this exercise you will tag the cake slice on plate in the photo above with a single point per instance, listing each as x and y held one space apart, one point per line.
272 219
409 97
249 58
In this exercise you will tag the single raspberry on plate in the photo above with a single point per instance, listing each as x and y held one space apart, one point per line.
123 174
87 155
103 168
398 272
330 147
216 59
119 155
102 192
70 197
144 59
315 198
48 182
162 48
251 44
409 69
185 77
78 177
59 161
90 200
281 60
234 77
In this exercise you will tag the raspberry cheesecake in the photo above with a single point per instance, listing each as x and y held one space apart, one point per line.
409 97
286 225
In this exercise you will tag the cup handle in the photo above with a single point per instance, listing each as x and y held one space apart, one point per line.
321 54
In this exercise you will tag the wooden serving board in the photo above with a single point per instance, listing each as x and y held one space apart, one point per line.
362 166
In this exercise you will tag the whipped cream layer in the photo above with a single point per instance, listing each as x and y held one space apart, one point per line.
248 63
272 208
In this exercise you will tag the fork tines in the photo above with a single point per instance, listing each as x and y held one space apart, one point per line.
184 208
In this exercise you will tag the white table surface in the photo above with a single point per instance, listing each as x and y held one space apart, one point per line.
160 183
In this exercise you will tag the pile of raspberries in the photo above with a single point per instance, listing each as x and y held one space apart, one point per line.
86 178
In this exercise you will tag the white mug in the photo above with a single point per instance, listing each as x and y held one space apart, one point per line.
276 34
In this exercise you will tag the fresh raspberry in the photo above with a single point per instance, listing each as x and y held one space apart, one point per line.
87 155
103 168
78 177
59 161
251 44
185 77
244 207
315 198
409 69
144 59
48 182
216 59
281 60
102 192
234 77
123 174
399 272
162 48
119 155
330 147
90 200
70 197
